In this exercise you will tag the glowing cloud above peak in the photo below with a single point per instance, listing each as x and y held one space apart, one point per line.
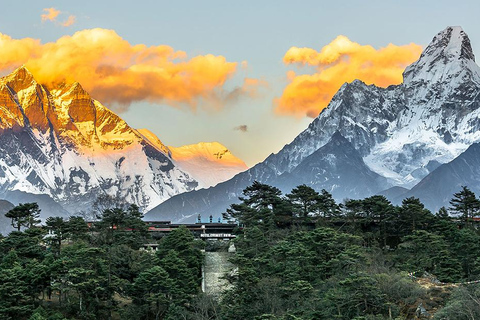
208 162
50 14
115 71
70 21
342 60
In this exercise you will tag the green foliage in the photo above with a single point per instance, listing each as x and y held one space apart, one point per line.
465 204
76 228
259 206
372 218
412 216
299 256
308 203
464 304
24 215
86 274
58 232
152 289
305 200
327 207
309 271
429 252
14 292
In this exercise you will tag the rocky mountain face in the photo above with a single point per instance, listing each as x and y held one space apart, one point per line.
437 188
431 116
337 167
5 223
402 133
62 143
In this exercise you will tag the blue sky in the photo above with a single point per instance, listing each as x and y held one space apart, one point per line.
259 32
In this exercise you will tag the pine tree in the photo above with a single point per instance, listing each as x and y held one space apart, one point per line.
24 215
412 215
152 288
466 204
327 207
304 199
57 228
259 206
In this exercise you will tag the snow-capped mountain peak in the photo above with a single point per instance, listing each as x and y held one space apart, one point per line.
402 132
20 79
60 142
432 116
448 55
208 162
155 141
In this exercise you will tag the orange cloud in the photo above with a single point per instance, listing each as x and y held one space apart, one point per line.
71 20
251 87
50 14
338 62
114 71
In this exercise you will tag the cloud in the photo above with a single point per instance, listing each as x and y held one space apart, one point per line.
242 128
338 62
251 87
114 71
71 20
50 14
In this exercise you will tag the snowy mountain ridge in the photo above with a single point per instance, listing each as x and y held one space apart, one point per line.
402 133
432 116
63 143
207 162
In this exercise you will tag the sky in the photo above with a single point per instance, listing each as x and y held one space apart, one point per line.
249 74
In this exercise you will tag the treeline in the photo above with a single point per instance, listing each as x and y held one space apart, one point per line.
304 256
299 256
68 270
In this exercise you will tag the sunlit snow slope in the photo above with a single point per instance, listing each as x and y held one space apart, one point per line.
207 162
61 142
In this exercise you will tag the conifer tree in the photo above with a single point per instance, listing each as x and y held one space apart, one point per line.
259 206
57 228
24 215
465 204
304 199
412 215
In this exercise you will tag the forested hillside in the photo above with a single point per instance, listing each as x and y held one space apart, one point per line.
299 256
303 256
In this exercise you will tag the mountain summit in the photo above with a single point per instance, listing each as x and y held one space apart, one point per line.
60 142
401 132
449 54
207 162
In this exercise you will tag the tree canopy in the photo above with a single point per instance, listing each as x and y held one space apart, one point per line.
300 255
